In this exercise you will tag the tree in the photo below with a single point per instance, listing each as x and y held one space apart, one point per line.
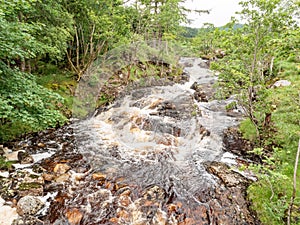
32 29
249 66
159 18
98 26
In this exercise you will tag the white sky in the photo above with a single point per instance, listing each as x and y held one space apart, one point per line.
221 11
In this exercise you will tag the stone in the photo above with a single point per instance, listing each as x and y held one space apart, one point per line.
32 188
29 205
11 156
41 145
8 214
62 178
281 83
24 157
229 177
48 177
27 220
61 168
99 176
74 216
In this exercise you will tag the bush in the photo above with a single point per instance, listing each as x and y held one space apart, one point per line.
25 106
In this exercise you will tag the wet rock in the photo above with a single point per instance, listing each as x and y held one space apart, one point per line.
48 177
27 220
61 168
29 183
199 94
29 205
25 189
25 157
99 176
204 64
62 178
74 216
41 145
236 144
229 177
154 193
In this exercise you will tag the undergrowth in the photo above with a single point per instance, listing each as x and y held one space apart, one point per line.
271 195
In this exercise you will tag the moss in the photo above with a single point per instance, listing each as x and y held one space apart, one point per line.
28 186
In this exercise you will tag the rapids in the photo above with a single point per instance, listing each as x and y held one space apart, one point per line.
156 141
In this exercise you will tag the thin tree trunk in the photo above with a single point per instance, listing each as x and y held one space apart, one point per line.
290 209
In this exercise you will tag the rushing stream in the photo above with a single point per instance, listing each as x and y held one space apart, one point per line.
148 153
161 154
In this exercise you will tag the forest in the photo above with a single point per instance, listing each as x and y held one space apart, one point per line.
47 47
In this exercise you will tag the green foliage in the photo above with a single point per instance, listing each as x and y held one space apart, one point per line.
269 197
5 165
157 19
248 130
231 106
263 50
30 28
190 32
25 106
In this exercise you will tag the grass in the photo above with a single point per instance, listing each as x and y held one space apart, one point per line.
271 194
60 81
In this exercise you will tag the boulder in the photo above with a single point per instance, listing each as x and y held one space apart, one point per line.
29 205
281 83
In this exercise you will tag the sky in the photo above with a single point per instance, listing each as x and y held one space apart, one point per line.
221 11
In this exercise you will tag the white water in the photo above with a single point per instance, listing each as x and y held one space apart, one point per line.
159 136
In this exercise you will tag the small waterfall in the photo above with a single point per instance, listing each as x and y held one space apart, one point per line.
156 140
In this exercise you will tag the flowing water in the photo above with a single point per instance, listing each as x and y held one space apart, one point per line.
153 142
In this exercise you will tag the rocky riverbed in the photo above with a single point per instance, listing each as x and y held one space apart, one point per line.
158 155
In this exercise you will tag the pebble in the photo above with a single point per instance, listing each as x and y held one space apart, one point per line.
24 157
4 174
99 176
62 178
29 205
61 168
74 216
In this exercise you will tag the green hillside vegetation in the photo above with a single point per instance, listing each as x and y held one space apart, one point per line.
259 53
47 47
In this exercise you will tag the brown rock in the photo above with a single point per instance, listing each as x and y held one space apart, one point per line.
62 178
74 216
41 145
61 168
99 176
48 177
124 200
229 177
35 189
25 157
172 208
123 215
113 220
